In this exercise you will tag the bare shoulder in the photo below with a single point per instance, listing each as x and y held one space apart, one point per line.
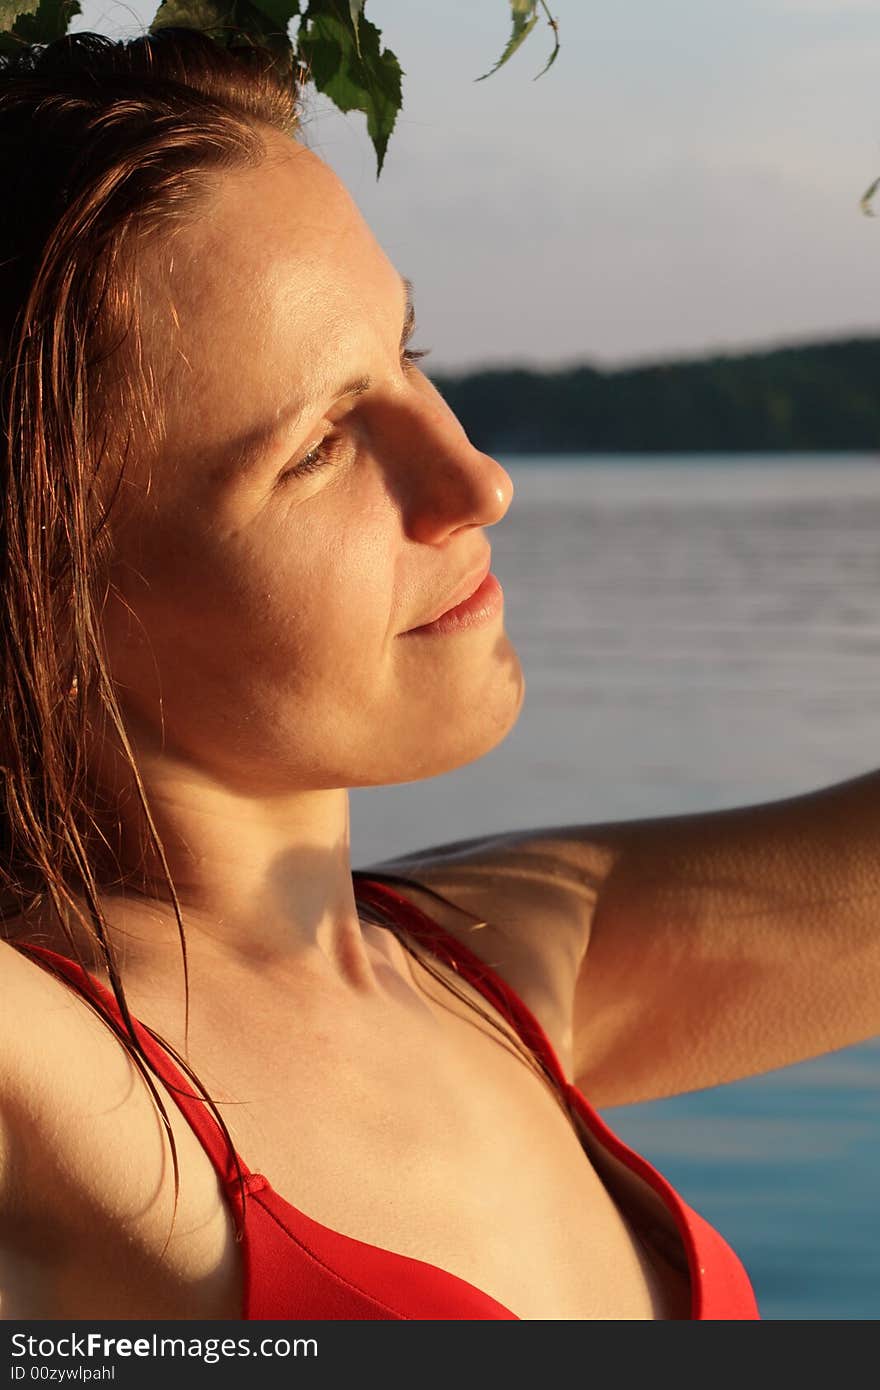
56 1059
34 1042
82 1226
39 1023
35 1007
534 891
25 997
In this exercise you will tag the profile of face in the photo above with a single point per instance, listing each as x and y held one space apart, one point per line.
257 616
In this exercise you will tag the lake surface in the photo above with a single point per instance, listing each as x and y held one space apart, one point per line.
697 633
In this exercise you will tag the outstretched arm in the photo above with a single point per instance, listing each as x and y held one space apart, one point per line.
678 952
728 943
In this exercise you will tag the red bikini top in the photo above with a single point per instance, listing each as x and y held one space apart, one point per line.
295 1267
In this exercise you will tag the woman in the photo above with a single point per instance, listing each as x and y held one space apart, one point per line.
233 509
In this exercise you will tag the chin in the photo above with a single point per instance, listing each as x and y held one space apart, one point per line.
448 741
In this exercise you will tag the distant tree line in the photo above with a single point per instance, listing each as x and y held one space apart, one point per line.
821 396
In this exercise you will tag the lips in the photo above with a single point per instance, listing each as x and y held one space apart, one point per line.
467 587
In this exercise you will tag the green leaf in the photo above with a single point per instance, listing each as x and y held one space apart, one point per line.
34 21
525 16
356 77
336 47
554 25
281 11
236 22
226 15
865 201
356 9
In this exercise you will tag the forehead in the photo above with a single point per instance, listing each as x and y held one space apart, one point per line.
292 212
278 283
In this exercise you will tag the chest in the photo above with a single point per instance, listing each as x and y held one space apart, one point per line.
427 1136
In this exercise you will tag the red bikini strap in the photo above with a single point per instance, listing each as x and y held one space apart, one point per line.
193 1105
469 966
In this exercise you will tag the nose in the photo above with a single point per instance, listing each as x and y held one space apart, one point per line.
448 482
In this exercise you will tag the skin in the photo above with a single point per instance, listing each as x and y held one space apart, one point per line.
255 633
254 622
254 630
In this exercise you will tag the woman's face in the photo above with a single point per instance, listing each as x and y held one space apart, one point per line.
254 627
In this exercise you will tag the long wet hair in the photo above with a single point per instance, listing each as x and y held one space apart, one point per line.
107 148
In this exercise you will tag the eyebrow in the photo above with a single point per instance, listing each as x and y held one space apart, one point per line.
252 449
360 384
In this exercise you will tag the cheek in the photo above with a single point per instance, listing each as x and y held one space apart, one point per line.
302 613
326 616
175 590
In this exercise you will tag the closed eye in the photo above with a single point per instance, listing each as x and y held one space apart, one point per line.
411 355
319 456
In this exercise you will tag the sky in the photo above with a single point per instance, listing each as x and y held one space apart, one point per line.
684 179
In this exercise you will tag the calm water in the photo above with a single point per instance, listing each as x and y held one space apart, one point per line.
697 633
